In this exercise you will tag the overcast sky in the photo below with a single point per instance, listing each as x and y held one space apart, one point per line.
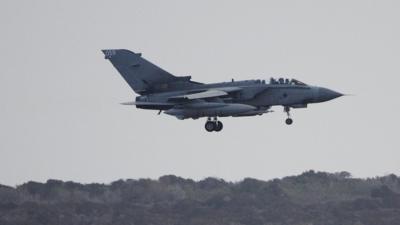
60 116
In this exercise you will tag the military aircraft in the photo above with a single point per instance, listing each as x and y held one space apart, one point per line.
183 98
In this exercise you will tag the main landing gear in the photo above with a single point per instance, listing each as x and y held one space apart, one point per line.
213 125
289 120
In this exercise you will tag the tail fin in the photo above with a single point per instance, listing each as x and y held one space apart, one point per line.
141 75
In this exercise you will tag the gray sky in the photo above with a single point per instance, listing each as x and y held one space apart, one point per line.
60 115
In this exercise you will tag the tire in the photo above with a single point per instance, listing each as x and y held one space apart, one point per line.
289 121
219 126
210 126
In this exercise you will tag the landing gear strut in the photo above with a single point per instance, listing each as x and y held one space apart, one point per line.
288 121
213 125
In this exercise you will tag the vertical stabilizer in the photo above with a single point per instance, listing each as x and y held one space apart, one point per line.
140 74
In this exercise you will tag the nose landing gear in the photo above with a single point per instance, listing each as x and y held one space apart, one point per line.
289 120
213 125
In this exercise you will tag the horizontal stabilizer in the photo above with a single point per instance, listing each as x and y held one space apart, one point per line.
148 103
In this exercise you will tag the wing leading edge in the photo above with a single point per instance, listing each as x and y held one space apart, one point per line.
211 93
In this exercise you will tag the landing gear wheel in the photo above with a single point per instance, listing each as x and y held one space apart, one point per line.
218 126
286 109
210 126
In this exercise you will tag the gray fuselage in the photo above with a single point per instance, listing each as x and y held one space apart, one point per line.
253 92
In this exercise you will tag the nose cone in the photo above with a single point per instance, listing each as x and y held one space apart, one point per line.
325 94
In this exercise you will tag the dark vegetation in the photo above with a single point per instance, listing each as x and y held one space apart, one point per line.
310 198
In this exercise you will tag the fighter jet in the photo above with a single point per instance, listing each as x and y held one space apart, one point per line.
183 98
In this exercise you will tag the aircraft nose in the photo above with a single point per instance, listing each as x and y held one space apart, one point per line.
325 94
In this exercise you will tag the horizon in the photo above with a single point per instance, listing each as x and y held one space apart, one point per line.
350 176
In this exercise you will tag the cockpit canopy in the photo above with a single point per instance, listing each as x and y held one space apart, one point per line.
286 81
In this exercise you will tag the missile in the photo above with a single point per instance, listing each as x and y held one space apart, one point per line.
209 109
